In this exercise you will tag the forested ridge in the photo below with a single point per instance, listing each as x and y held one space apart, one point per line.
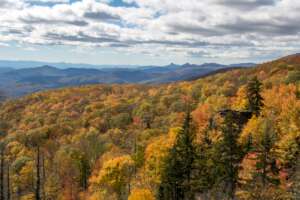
231 135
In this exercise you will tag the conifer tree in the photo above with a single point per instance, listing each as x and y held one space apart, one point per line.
176 177
203 176
266 164
296 180
255 100
231 155
264 174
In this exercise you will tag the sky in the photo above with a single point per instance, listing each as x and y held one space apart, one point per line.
148 32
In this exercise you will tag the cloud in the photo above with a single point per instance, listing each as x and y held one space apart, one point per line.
4 44
247 4
206 28
7 4
101 16
48 1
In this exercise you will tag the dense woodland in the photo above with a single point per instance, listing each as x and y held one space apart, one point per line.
231 135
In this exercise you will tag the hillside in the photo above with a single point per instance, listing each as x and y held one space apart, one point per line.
111 141
19 82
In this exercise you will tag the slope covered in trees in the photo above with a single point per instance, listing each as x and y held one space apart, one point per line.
230 135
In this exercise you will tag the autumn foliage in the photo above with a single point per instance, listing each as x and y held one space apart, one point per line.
110 142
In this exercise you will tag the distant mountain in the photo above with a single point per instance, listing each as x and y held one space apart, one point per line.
243 65
5 69
61 65
19 82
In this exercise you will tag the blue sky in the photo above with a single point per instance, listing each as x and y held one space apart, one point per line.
145 32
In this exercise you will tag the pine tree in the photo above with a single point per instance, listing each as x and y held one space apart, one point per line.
266 164
296 180
203 177
231 155
255 100
176 177
265 172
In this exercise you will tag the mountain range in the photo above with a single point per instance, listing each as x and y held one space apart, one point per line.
21 81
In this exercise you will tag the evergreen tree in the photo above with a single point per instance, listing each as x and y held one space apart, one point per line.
230 156
296 180
203 170
265 172
255 100
176 177
266 164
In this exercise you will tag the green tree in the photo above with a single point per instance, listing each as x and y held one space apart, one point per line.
266 165
255 100
176 176
293 77
263 172
204 166
116 174
296 180
230 155
146 113
4 169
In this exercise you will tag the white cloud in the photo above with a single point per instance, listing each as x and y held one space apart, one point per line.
4 44
208 28
48 1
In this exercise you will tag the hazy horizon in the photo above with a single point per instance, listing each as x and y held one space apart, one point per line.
17 64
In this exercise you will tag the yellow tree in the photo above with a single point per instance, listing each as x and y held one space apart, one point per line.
141 194
115 175
155 154
240 101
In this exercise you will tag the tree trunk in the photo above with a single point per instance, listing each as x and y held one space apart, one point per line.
38 176
18 190
44 177
264 171
8 183
2 177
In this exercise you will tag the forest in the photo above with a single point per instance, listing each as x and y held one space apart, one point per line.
230 135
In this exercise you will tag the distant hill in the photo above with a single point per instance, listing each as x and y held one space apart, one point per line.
5 69
19 82
63 65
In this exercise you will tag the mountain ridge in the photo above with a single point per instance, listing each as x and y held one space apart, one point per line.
19 82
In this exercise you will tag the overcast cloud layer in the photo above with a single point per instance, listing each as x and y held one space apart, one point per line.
226 29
